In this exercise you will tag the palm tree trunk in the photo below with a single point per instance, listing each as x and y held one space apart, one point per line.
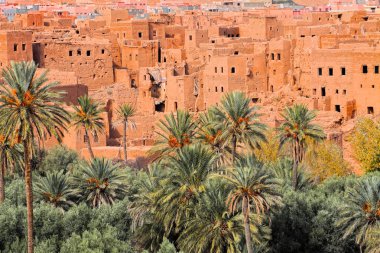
2 181
295 165
234 144
125 141
29 196
247 229
88 144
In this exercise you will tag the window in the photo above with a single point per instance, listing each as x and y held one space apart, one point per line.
337 108
271 88
140 34
314 91
370 110
279 57
319 71
272 55
365 69
154 33
221 69
222 89
15 47
79 52
373 86
23 47
343 71
233 70
103 51
236 53
88 53
175 106
331 71
216 70
323 91
376 69
336 91
70 53
190 37
216 89
344 92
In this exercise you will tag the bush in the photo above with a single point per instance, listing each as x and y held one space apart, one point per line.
60 158
11 225
96 241
47 222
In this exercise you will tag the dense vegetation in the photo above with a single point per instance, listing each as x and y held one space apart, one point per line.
222 182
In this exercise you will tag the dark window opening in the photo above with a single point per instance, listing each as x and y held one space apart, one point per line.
323 91
376 69
255 100
216 89
216 70
175 106
331 71
133 83
319 71
160 107
23 47
236 53
79 52
373 86
344 92
370 110
140 34
15 47
272 55
278 56
222 89
103 51
337 108
221 69
337 91
190 37
343 71
314 91
233 70
88 53
365 69
271 88
70 53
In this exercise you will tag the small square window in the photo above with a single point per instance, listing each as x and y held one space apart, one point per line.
103 51
344 92
190 37
373 86
70 53
140 34
15 47
376 69
319 71
337 108
23 47
365 69
88 53
336 91
233 70
331 71
343 71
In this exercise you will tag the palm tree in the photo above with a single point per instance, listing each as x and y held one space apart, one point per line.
87 115
176 132
125 112
100 182
252 187
239 122
185 182
29 107
213 229
296 129
361 213
55 189
10 157
209 133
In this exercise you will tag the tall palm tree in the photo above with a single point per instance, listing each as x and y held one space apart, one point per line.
87 116
296 129
185 182
30 107
10 157
213 229
361 213
100 182
252 187
239 122
125 113
175 132
209 133
55 189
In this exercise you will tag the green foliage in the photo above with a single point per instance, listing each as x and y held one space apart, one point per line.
12 224
47 222
14 192
365 141
99 182
59 159
95 241
167 247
